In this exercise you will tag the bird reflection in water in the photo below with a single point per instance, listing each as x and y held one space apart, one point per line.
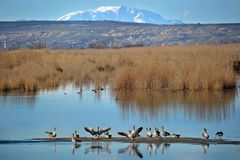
131 150
149 148
54 147
205 147
97 147
164 146
75 146
155 147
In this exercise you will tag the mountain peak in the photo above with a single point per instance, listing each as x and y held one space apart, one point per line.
118 13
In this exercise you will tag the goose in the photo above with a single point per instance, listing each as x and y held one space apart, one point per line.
156 133
107 135
219 134
131 135
134 128
76 134
97 133
52 134
205 134
80 91
176 135
164 133
75 139
100 89
149 133
94 90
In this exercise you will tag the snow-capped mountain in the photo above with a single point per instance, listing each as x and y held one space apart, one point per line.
119 13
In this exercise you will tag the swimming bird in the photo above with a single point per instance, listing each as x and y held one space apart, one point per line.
75 139
80 91
65 92
131 135
176 135
52 134
97 133
156 133
205 134
76 134
219 134
94 90
164 133
149 133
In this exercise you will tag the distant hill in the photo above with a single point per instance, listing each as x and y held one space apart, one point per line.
110 34
118 13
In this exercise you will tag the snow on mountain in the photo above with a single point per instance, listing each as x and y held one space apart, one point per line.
118 13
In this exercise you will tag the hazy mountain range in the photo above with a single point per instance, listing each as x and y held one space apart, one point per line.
111 34
118 13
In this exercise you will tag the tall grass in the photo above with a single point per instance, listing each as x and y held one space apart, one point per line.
199 67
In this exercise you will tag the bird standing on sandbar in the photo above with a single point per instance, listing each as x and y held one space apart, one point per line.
96 133
131 135
164 133
205 134
219 134
52 134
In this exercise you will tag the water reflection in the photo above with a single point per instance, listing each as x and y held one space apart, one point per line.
164 146
18 98
205 147
75 146
97 147
132 149
216 106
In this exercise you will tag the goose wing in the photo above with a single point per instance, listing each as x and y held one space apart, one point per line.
137 131
48 132
90 130
104 130
123 134
167 133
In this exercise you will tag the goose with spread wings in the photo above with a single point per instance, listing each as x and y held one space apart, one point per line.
96 133
131 135
52 134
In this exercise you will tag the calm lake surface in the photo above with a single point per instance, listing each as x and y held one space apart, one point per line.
25 116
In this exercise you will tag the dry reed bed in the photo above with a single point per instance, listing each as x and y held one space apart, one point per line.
198 67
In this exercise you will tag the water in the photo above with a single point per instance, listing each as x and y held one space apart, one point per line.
25 116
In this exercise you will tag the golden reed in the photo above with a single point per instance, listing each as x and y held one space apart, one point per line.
173 68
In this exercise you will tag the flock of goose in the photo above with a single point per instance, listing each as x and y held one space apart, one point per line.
131 134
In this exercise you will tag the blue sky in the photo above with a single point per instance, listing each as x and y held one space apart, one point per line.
189 11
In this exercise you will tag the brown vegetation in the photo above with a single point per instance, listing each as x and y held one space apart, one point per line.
198 67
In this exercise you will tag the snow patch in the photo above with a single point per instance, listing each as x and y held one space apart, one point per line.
108 8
